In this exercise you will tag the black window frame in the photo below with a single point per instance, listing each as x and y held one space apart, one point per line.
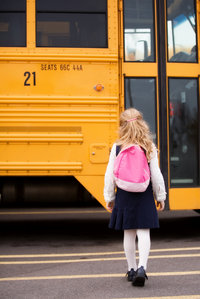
74 12
25 29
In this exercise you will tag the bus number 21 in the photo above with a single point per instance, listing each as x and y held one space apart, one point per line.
28 78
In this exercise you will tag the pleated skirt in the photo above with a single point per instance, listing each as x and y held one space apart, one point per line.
134 210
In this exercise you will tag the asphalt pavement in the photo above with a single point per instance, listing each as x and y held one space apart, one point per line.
71 253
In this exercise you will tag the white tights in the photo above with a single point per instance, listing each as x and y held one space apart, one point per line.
144 244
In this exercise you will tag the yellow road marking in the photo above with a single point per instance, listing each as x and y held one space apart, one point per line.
62 261
92 253
95 259
55 212
174 256
114 275
167 297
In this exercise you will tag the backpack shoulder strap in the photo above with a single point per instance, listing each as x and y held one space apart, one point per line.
117 150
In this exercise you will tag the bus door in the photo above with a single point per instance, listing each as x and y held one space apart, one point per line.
139 67
183 71
160 71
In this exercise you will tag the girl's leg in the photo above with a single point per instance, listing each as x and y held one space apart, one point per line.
144 244
129 248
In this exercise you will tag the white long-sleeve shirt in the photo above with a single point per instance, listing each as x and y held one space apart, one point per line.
157 180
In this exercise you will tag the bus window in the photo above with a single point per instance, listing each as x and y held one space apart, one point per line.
76 23
13 23
140 93
139 30
184 159
181 28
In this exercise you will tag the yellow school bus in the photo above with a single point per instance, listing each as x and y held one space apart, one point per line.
67 70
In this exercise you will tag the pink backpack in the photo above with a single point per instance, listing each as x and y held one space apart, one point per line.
131 169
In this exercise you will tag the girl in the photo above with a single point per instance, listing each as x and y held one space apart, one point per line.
135 212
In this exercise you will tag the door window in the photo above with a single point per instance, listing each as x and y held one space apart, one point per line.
139 30
140 93
184 141
181 28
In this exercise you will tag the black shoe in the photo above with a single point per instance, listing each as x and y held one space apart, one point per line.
131 274
139 279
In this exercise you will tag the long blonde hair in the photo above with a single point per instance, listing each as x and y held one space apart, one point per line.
134 130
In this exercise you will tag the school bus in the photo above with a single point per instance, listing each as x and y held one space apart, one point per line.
67 70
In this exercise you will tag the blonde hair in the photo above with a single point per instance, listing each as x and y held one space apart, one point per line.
134 130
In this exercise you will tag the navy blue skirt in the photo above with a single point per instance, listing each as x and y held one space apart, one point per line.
133 210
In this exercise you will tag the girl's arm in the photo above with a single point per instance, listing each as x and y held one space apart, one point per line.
157 180
109 183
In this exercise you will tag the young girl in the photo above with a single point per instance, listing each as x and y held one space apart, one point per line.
135 212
